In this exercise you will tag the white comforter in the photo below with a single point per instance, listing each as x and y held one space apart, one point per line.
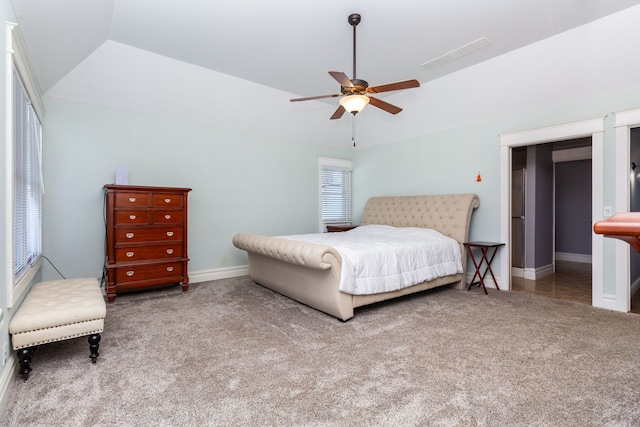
381 258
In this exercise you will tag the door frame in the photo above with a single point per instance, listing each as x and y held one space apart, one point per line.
585 128
624 121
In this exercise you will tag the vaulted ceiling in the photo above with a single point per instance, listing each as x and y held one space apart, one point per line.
290 45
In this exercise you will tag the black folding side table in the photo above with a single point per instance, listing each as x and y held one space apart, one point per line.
487 257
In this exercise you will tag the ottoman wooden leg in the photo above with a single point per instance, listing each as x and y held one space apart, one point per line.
94 344
24 357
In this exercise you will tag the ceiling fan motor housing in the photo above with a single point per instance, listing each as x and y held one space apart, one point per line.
359 87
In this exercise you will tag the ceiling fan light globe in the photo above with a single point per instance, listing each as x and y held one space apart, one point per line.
354 103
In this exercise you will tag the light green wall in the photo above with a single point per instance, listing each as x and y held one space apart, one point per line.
448 162
253 183
241 182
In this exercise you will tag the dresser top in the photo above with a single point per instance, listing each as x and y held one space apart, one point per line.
143 188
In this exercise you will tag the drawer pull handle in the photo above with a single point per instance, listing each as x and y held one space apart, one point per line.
167 217
129 235
132 199
129 254
130 273
169 251
132 217
169 268
169 233
167 200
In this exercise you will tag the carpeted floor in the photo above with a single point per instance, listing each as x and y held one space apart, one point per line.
231 353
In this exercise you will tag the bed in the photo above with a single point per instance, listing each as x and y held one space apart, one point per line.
311 273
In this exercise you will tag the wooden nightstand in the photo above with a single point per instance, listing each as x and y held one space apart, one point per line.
339 228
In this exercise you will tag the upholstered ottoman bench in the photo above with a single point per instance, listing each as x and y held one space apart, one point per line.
57 310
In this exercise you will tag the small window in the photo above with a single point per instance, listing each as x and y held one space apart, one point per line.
335 191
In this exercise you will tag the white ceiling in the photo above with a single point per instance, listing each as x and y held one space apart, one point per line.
290 45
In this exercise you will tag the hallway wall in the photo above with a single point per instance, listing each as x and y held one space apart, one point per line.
573 208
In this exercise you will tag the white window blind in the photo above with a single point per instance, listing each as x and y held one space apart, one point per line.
28 183
335 193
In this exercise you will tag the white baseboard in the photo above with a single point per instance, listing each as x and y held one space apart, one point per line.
218 273
564 256
6 381
610 302
517 272
532 273
488 281
538 272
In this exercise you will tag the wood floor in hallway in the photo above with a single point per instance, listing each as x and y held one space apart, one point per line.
570 282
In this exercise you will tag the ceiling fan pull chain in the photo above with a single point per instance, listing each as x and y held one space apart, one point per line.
353 130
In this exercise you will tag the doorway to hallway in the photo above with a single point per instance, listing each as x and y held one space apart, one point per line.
551 219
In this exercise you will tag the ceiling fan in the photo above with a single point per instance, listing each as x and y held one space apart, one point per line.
353 90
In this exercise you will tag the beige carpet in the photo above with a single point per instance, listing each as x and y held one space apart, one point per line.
231 353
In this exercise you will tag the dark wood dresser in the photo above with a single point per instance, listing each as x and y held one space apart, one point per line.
146 237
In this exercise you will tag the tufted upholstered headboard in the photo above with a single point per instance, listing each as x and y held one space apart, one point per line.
450 214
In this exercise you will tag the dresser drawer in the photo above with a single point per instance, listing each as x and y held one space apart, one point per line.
167 200
148 253
148 272
132 217
147 234
167 217
131 199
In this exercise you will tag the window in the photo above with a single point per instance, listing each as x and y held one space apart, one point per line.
23 170
335 190
27 181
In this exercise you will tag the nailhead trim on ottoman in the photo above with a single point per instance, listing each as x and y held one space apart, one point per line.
57 310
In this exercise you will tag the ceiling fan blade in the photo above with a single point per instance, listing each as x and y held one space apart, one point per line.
338 113
389 108
341 78
309 98
407 84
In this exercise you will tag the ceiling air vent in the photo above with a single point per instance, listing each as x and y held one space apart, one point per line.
457 53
